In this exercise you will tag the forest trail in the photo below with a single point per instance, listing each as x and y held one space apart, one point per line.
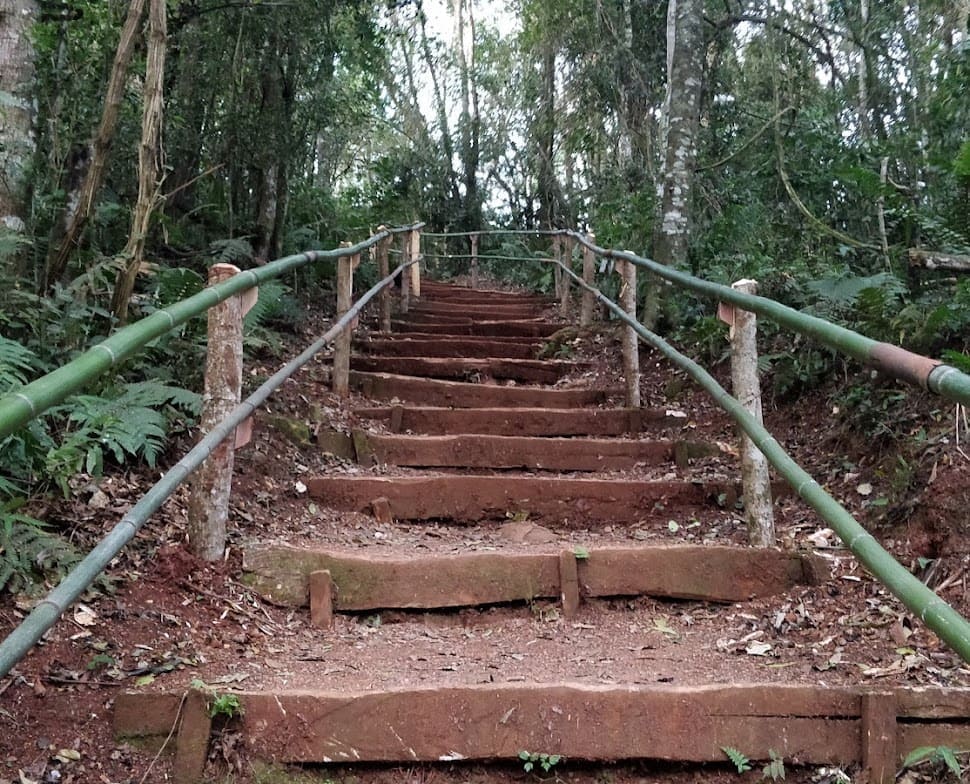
505 564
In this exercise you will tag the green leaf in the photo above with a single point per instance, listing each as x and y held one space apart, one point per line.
918 755
951 760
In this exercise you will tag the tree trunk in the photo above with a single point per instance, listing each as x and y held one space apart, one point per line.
149 161
470 132
17 117
685 72
77 212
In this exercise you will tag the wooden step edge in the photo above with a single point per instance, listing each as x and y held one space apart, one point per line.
362 581
538 422
804 724
480 451
566 501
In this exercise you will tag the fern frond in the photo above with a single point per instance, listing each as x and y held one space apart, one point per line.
175 284
29 553
153 394
740 761
268 305
230 251
842 292
16 363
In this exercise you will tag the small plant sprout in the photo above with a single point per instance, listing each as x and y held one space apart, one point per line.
739 760
775 769
220 703
531 759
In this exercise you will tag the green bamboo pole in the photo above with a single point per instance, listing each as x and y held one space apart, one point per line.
951 627
19 407
46 613
921 371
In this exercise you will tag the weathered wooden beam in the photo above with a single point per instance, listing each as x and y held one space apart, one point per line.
285 575
932 260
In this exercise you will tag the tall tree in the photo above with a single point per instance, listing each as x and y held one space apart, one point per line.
16 107
681 113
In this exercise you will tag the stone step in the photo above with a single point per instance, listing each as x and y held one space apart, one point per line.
447 347
523 421
435 392
512 328
504 452
526 371
363 581
565 502
803 724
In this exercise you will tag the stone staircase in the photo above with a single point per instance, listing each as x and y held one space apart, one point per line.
534 604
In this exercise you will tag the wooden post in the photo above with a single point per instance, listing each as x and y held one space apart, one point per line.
383 270
405 301
631 346
556 269
415 239
565 295
341 344
589 270
474 265
747 389
208 509
879 737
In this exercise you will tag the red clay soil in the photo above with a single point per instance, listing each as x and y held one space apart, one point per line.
171 619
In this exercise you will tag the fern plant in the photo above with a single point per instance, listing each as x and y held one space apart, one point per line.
740 761
29 552
130 424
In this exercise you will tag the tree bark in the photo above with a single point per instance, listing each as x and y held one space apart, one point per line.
685 73
939 261
149 160
17 116
78 212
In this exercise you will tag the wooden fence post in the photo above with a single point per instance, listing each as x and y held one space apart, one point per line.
341 344
567 282
474 265
405 301
589 271
755 480
416 267
631 345
556 269
208 510
383 270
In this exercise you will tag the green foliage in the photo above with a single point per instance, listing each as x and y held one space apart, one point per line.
17 362
774 770
236 250
941 757
173 284
546 762
222 704
29 552
738 759
130 423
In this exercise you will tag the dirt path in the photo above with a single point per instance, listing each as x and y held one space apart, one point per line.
484 554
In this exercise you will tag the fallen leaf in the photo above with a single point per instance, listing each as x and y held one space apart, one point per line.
85 616
758 648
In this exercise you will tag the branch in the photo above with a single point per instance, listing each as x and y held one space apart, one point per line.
748 143
932 260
